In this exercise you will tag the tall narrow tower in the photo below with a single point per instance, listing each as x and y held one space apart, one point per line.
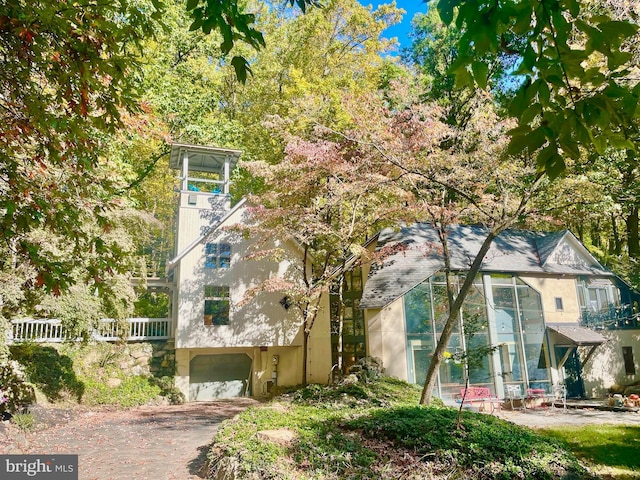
204 189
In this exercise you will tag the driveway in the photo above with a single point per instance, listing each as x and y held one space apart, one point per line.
550 417
151 442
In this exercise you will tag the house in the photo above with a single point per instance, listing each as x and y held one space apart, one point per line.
547 309
227 346
552 313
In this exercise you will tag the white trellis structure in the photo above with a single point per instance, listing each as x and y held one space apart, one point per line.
108 330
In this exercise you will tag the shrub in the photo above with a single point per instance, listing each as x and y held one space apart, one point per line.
15 393
48 370
169 390
131 392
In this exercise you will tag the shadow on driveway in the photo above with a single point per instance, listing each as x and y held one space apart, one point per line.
144 443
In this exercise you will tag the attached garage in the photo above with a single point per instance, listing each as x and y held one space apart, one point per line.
219 376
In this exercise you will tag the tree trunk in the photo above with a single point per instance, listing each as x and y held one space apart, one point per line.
454 314
617 241
633 240
596 241
305 350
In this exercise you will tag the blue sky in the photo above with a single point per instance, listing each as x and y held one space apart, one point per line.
402 29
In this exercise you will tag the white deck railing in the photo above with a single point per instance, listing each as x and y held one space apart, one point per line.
108 330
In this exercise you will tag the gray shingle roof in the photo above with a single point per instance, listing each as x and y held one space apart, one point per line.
416 254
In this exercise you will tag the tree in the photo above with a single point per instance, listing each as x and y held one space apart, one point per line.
67 71
434 50
577 91
473 181
327 198
233 23
309 62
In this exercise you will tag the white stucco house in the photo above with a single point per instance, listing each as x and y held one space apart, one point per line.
225 346
553 313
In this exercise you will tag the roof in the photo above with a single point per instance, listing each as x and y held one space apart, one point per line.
418 255
576 334
202 158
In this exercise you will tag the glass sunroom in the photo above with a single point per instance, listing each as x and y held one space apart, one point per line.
501 319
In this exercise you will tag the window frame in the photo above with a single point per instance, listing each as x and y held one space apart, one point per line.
217 255
217 305
559 304
629 361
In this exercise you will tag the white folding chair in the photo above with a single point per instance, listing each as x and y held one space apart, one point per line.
514 392
560 395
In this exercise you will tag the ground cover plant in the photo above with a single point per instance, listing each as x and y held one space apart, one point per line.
80 374
377 430
611 449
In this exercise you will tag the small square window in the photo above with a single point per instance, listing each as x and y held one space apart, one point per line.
559 306
216 305
217 255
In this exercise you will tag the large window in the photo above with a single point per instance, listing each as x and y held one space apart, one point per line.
520 331
216 305
516 333
217 255
348 342
426 311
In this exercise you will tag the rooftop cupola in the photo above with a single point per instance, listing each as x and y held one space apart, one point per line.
203 169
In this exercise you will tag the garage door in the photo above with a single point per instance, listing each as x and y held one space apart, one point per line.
219 376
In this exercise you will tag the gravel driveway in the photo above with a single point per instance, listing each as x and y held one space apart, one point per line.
145 443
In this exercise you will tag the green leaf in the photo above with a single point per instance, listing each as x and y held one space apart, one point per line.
445 9
519 103
544 94
545 154
536 139
196 24
463 78
571 148
574 7
518 145
618 59
550 161
599 142
555 166
241 67
191 4
531 113
620 142
480 73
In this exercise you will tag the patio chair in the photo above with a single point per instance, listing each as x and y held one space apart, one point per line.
560 395
514 392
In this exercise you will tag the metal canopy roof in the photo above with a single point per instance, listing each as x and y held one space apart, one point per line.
203 158
576 334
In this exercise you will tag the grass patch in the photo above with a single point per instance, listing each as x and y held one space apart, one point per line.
377 430
24 421
131 392
612 449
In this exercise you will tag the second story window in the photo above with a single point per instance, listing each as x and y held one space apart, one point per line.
216 305
217 255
